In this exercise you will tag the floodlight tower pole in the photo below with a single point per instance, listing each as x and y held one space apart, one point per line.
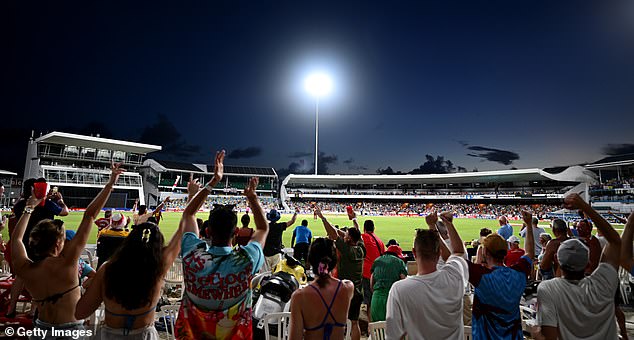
316 132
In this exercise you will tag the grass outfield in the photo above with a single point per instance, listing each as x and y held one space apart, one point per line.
387 227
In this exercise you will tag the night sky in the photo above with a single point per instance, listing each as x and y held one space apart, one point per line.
484 84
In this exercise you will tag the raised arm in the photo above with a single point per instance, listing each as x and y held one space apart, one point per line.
19 257
189 214
457 248
612 252
261 226
431 220
333 233
293 219
161 206
529 241
192 187
72 250
293 238
352 215
136 204
57 198
173 247
627 261
92 298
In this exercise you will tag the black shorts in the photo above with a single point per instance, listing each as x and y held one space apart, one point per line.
355 306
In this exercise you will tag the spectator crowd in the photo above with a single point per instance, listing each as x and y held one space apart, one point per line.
434 297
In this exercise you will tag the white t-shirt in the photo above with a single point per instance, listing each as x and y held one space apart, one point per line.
583 310
428 306
536 232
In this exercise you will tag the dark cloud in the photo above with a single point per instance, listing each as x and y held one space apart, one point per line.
463 143
303 167
348 161
163 132
618 149
358 167
432 165
300 154
493 155
250 152
436 165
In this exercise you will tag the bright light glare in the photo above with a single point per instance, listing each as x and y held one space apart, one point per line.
318 84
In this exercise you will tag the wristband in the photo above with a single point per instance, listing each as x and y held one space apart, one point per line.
354 219
209 187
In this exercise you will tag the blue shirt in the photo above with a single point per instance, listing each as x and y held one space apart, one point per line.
496 313
217 278
506 231
302 234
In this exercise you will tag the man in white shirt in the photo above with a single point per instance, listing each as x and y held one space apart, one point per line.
429 305
575 306
537 230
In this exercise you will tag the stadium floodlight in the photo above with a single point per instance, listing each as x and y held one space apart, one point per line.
318 85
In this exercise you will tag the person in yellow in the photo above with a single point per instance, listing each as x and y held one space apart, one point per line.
109 239
143 214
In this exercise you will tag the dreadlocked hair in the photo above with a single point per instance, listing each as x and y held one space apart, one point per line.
140 256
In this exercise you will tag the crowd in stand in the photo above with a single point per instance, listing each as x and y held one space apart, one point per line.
413 208
352 267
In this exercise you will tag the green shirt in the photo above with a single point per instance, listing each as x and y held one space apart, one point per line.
351 262
387 269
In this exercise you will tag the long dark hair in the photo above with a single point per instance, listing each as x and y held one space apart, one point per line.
322 257
140 257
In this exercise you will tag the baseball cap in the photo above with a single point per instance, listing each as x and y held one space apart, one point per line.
513 239
118 221
573 255
273 215
396 250
496 245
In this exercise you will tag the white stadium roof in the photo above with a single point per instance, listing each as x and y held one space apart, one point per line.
64 138
572 174
7 173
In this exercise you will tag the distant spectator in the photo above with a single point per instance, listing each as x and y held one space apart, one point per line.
273 245
386 269
549 265
537 230
105 221
392 242
584 227
374 248
351 255
244 234
484 232
514 253
300 242
143 214
506 229
109 240
576 306
429 305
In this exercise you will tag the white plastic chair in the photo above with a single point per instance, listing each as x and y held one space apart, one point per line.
467 333
376 330
174 277
169 313
97 317
282 320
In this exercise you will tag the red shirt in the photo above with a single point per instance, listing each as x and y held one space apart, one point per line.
371 252
513 256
